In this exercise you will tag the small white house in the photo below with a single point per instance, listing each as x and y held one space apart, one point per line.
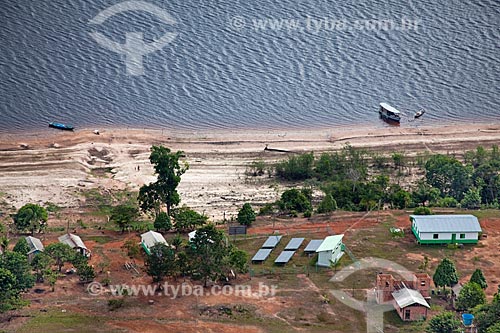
76 243
35 246
330 250
443 229
151 238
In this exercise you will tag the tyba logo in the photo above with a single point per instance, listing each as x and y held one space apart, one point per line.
135 48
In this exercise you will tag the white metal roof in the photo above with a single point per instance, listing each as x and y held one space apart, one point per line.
35 244
446 223
150 238
330 243
73 241
406 297
389 108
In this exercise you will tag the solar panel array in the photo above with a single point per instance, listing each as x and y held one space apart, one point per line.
284 257
271 242
262 255
313 245
294 244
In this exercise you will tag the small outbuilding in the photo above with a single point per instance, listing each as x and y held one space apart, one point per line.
151 238
445 229
35 246
330 250
409 304
76 243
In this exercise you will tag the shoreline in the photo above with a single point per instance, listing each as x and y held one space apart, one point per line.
60 167
45 137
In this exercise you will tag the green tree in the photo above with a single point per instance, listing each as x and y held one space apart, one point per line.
188 219
177 242
488 315
246 215
445 322
22 246
327 205
85 272
124 216
41 264
238 259
164 191
161 262
400 199
8 291
424 193
61 253
294 200
208 253
162 222
31 217
479 278
446 274
494 329
449 175
472 199
470 296
18 265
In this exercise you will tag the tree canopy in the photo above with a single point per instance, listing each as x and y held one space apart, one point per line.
470 296
187 219
163 222
479 278
31 217
124 216
160 262
444 322
446 274
61 253
246 215
168 170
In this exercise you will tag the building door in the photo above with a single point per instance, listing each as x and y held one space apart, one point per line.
453 238
407 314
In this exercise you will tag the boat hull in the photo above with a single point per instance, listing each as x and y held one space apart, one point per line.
62 127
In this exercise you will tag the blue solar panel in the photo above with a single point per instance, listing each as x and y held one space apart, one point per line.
262 255
284 257
313 245
294 244
271 242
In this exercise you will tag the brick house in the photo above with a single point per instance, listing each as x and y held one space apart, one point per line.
407 297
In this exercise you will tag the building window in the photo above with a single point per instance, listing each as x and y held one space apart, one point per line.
435 236
407 314
462 236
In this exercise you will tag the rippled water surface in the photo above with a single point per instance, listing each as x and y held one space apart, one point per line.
222 72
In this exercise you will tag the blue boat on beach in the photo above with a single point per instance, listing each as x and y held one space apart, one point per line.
61 126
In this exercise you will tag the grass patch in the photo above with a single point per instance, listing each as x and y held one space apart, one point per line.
100 239
56 321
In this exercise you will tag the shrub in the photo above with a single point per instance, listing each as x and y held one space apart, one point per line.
422 211
115 304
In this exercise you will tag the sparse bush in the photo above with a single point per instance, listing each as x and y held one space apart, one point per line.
114 304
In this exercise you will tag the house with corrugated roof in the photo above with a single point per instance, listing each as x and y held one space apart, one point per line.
408 297
409 304
330 251
76 243
445 229
35 246
150 239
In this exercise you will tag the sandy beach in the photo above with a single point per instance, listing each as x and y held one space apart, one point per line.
57 167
